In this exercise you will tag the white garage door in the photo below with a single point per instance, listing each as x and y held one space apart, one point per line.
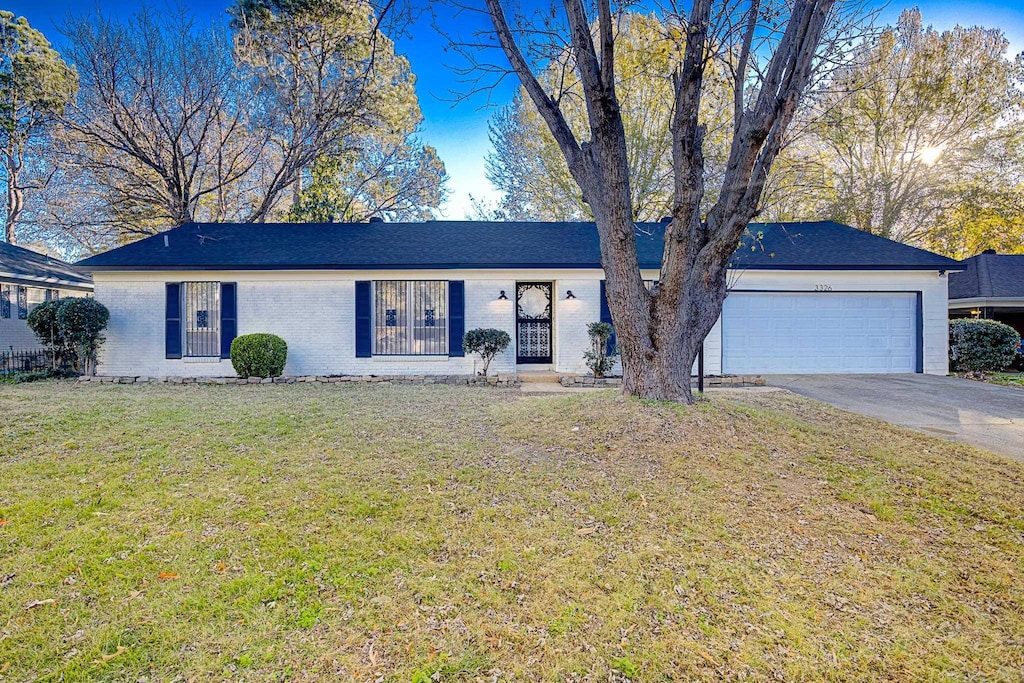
819 332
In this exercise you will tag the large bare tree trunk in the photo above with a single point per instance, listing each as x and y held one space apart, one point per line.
15 192
15 206
660 334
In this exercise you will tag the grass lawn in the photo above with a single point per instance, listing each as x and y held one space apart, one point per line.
1008 379
1005 379
417 534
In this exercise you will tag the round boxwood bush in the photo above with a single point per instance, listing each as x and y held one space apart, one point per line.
981 345
259 355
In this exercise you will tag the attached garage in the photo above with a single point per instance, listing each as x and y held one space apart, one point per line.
810 332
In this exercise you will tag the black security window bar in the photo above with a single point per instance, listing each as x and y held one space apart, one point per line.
202 319
410 318
5 301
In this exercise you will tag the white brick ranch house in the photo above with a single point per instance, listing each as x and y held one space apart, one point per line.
383 298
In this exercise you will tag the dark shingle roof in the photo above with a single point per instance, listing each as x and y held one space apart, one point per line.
989 276
474 244
28 266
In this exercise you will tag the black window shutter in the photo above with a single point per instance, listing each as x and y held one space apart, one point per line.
228 317
22 303
364 346
172 331
456 317
5 301
606 317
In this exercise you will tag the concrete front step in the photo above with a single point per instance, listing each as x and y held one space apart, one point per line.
539 377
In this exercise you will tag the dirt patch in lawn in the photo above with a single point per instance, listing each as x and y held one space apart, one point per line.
434 533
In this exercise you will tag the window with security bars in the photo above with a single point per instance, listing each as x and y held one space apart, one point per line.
201 305
410 317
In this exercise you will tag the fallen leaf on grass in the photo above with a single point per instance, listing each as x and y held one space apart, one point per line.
106 658
2 521
6 579
586 531
39 603
220 567
167 576
5 667
708 658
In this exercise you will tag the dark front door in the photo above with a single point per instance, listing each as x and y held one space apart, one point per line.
533 322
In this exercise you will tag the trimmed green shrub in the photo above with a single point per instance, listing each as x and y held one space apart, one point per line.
598 359
259 355
42 320
981 345
72 328
486 341
82 322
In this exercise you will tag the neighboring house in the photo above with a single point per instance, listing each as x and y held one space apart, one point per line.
990 286
28 278
395 298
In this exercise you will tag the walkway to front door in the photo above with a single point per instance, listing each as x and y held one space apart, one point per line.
533 322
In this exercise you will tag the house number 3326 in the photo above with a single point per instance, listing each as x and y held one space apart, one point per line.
822 288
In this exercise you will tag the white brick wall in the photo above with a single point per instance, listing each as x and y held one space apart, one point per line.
572 316
314 312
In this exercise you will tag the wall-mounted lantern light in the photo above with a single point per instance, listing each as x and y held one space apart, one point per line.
570 295
502 297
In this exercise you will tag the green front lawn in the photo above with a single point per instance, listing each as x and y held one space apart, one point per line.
310 532
1007 379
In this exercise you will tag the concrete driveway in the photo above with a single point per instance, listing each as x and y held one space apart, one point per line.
982 414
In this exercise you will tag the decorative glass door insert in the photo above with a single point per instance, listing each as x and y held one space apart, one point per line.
533 322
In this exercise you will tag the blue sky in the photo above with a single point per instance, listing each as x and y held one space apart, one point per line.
459 130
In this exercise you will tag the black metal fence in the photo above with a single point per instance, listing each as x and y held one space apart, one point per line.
12 361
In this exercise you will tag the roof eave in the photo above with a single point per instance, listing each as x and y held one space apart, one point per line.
952 267
987 301
25 279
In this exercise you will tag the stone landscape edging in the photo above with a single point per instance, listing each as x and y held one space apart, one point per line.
502 380
713 381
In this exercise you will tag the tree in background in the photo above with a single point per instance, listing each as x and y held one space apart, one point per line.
160 133
35 87
175 123
906 140
400 182
771 52
983 205
527 165
328 84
